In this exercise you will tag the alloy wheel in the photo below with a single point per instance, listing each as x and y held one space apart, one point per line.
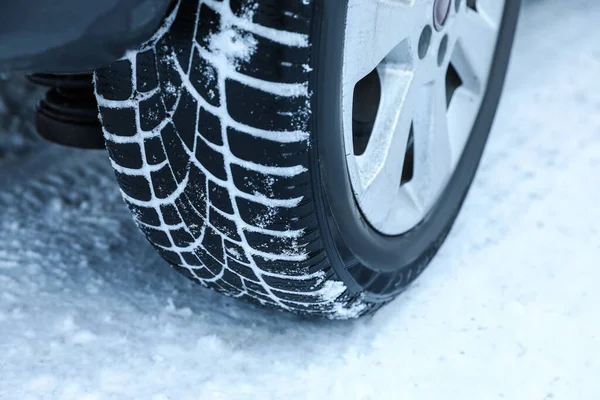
415 74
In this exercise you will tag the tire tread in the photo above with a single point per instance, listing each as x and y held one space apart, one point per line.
213 157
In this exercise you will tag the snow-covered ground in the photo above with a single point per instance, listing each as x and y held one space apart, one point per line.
508 310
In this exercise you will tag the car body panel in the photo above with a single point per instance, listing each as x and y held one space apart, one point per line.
73 35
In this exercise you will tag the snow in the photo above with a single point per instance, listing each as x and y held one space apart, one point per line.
245 23
507 310
232 45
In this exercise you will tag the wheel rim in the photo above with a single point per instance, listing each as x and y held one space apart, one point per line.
415 73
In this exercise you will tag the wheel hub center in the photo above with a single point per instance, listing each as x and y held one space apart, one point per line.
441 10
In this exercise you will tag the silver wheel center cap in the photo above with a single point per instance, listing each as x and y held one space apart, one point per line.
441 10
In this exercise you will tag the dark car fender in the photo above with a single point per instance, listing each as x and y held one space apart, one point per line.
73 35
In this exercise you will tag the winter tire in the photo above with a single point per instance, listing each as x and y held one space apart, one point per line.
309 155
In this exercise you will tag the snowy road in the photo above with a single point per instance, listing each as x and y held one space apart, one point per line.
510 309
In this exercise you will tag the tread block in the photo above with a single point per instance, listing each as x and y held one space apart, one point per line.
256 287
263 110
269 186
213 243
209 24
183 30
152 112
147 78
267 152
155 151
203 273
186 111
205 79
170 81
195 191
219 197
128 155
147 215
236 252
272 218
170 256
224 225
163 182
231 278
170 214
212 160
292 285
119 121
157 237
214 266
265 242
179 159
182 238
242 270
298 297
294 17
115 81
191 218
209 126
291 268
275 62
134 186
187 272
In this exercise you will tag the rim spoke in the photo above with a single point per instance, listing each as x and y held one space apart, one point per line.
442 157
405 214
380 27
382 164
433 148
474 49
389 138
492 10
461 117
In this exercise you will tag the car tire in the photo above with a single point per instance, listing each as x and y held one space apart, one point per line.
225 133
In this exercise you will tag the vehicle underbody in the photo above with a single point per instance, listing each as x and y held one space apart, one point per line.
59 44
